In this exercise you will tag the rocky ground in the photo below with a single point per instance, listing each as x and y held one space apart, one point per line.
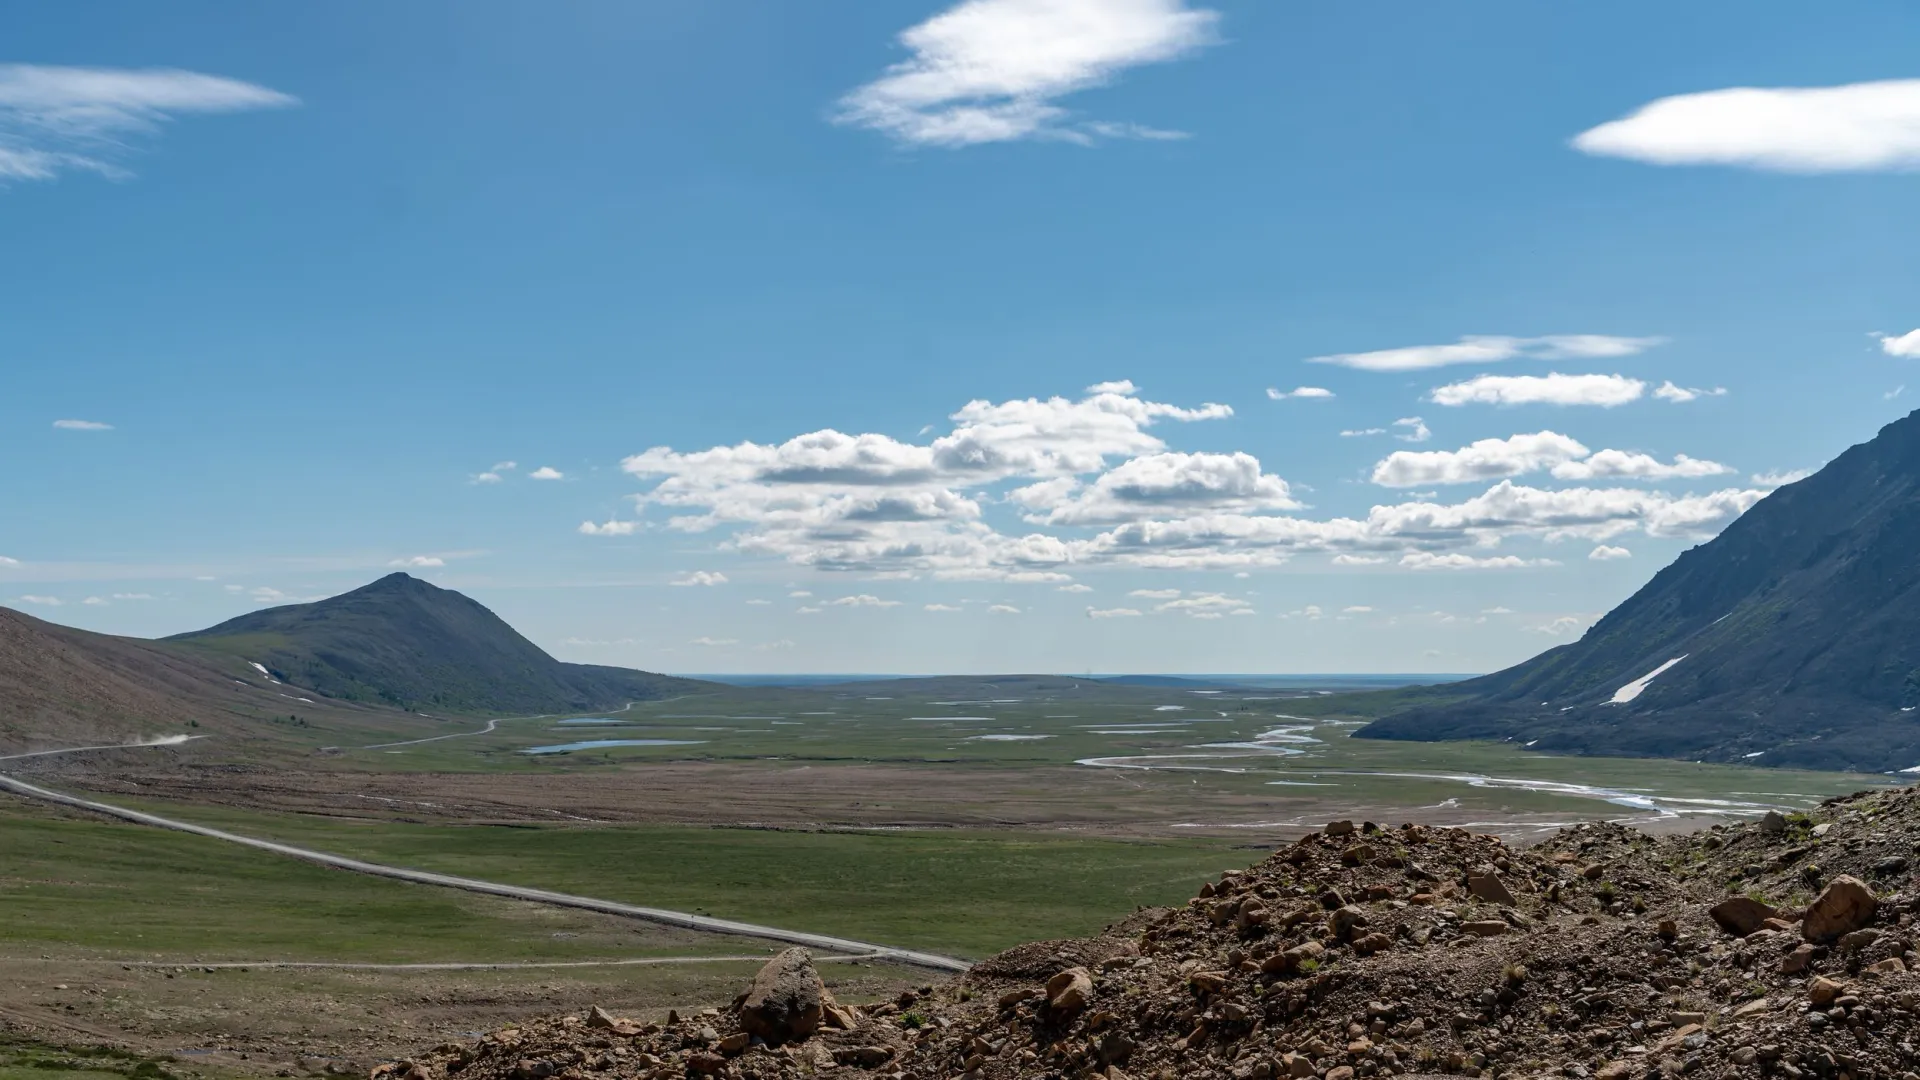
1779 948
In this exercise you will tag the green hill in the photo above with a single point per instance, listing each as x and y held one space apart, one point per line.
1794 637
404 643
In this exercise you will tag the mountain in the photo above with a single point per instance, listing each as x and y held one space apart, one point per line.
1792 638
404 643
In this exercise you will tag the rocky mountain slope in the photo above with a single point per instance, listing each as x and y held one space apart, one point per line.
1792 638
1782 948
404 643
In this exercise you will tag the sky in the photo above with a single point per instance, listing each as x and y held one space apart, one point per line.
999 335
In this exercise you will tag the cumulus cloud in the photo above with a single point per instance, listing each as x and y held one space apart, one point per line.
1298 392
940 607
546 472
1906 346
1076 587
1606 391
1488 349
1487 459
1609 464
1358 560
1416 429
79 425
55 120
1680 395
1113 613
1857 127
862 600
699 577
1607 553
609 528
422 562
1158 484
1205 605
994 70
1003 609
1455 560
488 477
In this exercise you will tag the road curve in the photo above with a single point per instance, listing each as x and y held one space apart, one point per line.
681 919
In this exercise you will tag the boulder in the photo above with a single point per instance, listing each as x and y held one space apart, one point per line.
1741 915
1845 905
1068 992
1822 990
787 998
1490 888
1774 823
1339 828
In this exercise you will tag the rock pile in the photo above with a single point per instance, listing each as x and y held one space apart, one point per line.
1782 948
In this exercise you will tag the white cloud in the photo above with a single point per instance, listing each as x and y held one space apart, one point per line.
800 594
1560 627
1454 560
939 607
1361 433
1155 594
699 577
1858 127
505 466
1487 459
1905 346
420 561
1112 613
1608 464
1356 609
1205 605
4 561
1771 480
1158 484
95 601
757 602
1496 611
1004 609
1076 587
1894 393
862 600
1606 391
62 119
770 646
807 609
1667 391
1299 392
43 601
992 70
77 425
713 641
609 528
546 472
132 596
1487 349
1358 560
486 478
1417 430
1607 553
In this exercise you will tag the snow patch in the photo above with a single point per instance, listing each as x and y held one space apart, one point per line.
1632 690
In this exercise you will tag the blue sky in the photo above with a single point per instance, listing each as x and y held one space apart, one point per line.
732 273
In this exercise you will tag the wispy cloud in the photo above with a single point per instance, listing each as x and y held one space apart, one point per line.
75 425
989 71
862 600
1003 609
714 641
1113 613
1490 348
1076 587
1299 392
609 528
699 577
1857 127
55 120
939 607
42 601
1606 391
1454 560
1680 395
1416 429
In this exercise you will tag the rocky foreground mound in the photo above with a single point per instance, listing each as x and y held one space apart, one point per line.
1781 948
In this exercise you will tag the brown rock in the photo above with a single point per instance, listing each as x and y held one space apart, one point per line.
1208 982
787 998
706 1064
1485 927
1822 990
1490 888
1890 966
1298 1066
1339 828
1357 855
1345 920
1340 1072
735 1044
1797 961
1845 905
1372 943
1741 915
1068 992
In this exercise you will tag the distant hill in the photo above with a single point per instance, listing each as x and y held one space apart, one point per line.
1793 638
404 643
